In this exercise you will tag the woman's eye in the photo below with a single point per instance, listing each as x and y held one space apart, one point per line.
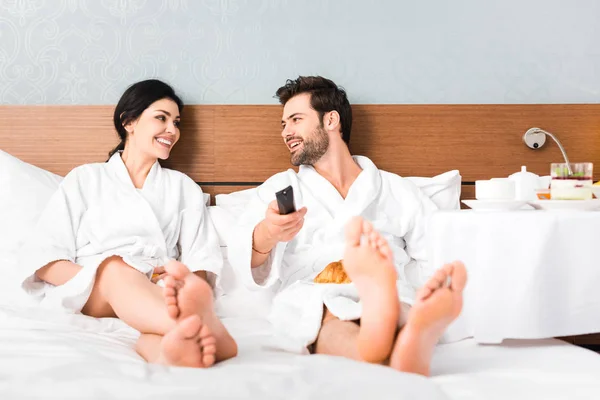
177 123
161 118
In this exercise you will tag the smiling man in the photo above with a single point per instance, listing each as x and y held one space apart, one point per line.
355 225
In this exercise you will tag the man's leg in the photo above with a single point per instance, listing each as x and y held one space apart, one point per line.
368 262
338 338
438 303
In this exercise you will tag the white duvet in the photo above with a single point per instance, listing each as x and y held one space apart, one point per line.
48 355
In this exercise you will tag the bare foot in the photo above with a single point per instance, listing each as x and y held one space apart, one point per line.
368 260
187 294
438 303
189 344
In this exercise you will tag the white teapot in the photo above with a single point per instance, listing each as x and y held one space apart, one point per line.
527 183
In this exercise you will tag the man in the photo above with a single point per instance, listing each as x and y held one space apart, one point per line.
372 220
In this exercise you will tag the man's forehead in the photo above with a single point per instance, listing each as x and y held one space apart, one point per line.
297 105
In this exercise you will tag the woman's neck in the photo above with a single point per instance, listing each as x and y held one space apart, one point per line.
137 166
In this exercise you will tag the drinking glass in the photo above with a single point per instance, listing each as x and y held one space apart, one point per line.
576 185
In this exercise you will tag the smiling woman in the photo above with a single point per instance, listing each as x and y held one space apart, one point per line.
111 225
147 118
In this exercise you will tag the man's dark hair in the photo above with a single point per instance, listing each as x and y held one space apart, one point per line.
325 96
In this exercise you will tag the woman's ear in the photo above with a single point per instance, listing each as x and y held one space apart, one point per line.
129 127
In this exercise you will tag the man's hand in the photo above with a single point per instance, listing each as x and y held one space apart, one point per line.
282 228
276 228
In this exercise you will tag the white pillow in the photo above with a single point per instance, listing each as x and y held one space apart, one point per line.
24 192
443 189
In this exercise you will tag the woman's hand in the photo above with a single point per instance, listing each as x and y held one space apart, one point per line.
158 274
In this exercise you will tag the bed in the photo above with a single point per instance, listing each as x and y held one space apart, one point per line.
49 355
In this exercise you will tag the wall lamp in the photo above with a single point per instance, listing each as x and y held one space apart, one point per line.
535 138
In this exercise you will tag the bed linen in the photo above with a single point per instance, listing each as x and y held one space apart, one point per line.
55 355
49 355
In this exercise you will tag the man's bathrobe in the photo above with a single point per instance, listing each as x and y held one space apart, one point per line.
395 207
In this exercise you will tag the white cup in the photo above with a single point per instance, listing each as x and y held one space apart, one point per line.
495 189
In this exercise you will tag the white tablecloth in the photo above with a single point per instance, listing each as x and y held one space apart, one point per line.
532 274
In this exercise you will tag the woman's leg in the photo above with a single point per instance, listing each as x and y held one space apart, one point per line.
122 291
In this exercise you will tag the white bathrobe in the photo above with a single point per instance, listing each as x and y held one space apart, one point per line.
395 207
97 212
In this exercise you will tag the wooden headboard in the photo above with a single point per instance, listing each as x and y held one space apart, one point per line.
228 148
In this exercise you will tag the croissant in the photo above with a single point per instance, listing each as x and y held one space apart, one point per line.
333 273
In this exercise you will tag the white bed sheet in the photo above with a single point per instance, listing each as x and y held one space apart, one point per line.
45 355
48 355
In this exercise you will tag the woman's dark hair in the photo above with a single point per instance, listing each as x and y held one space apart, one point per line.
135 100
325 96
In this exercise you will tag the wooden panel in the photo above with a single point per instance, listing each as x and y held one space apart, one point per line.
466 192
239 144
248 143
194 154
482 141
57 138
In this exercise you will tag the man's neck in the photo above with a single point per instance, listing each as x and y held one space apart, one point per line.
339 168
138 167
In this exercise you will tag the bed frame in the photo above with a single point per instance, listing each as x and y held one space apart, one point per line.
229 148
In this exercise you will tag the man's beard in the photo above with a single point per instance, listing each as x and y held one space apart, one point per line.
312 149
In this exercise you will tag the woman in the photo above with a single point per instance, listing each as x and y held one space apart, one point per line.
111 225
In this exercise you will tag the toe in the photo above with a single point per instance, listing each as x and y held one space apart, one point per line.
190 326
367 227
173 311
373 239
169 282
459 276
385 250
439 278
205 333
169 291
176 269
171 301
354 231
208 359
424 293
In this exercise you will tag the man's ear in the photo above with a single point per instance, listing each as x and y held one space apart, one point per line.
331 121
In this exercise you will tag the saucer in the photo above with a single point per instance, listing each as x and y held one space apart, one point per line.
505 205
581 205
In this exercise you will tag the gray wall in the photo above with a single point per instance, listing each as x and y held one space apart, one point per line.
240 51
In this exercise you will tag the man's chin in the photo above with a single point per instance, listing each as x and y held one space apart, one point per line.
295 161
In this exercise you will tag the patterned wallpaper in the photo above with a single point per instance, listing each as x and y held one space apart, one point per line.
241 51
